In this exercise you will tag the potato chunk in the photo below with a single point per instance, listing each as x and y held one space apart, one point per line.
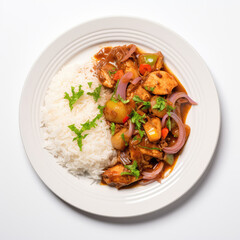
162 82
153 129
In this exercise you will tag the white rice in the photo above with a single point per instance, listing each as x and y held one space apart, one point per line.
97 151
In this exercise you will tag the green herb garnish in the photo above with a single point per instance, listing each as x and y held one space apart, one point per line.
146 104
101 108
146 88
111 72
152 89
123 138
113 126
169 123
122 100
150 148
133 170
85 126
75 96
89 84
96 93
137 119
114 92
160 104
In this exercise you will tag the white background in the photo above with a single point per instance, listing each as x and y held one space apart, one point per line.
28 210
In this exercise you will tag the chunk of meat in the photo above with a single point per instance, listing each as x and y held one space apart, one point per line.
112 176
159 63
162 82
105 77
145 148
132 67
139 91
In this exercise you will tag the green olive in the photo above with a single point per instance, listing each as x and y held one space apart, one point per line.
115 111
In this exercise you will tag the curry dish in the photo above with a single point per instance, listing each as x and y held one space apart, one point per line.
146 114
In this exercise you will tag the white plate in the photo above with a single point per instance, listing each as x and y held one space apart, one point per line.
79 44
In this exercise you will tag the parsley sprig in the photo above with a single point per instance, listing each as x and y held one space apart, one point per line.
123 138
150 148
138 120
146 104
85 126
133 170
96 93
113 127
75 96
160 104
169 123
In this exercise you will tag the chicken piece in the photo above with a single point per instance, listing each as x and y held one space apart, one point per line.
150 149
105 77
161 82
112 176
133 90
142 93
153 129
132 67
159 63
152 152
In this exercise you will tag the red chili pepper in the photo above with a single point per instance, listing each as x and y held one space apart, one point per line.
165 132
118 75
144 68
125 119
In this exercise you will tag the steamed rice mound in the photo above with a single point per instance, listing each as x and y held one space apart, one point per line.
97 151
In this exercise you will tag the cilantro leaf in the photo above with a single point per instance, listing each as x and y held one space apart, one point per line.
169 124
96 93
75 96
111 72
113 126
146 104
85 126
123 138
160 104
150 148
133 170
101 108
114 92
122 100
90 84
137 119
152 89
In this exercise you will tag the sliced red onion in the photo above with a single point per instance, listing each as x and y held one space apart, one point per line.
122 86
136 80
130 52
154 173
124 158
145 182
175 96
181 137
130 131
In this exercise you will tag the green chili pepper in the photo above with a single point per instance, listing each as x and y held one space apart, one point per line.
150 59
